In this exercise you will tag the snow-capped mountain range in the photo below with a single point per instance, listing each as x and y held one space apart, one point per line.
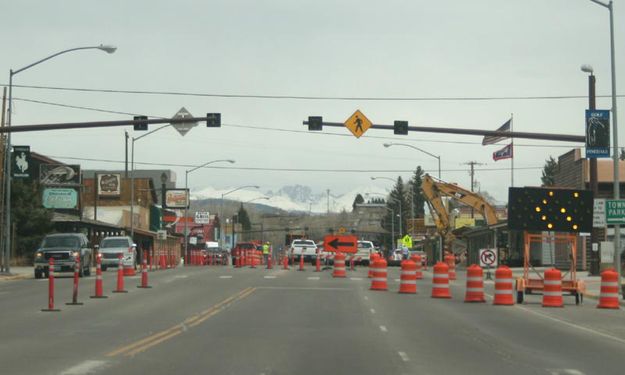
293 198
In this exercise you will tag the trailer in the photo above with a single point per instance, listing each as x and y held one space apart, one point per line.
534 281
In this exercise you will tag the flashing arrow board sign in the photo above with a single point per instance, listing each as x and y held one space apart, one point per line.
615 211
343 244
358 123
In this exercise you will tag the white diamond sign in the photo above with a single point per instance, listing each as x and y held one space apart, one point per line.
183 127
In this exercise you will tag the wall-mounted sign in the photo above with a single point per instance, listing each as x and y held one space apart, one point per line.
202 218
21 162
60 198
59 174
109 185
177 198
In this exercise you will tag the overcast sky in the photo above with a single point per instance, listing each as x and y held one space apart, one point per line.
420 50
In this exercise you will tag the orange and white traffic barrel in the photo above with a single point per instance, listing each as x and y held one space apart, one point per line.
440 281
372 258
504 291
552 292
408 277
475 284
451 262
608 296
378 281
417 260
339 265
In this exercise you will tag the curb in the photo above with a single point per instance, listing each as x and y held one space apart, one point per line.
596 297
13 277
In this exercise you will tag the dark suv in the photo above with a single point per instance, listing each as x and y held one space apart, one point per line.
65 249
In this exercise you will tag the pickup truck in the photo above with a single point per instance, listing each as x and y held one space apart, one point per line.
65 249
363 252
306 248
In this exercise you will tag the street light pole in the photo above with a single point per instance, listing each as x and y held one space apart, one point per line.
186 208
615 153
396 200
7 152
387 145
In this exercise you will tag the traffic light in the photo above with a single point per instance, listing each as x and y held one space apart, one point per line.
544 209
315 123
143 124
400 127
213 120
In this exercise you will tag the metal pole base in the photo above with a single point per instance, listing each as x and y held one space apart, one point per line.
120 291
50 310
99 297
144 287
74 303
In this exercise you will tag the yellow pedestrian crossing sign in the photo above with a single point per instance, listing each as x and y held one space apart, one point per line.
407 241
358 123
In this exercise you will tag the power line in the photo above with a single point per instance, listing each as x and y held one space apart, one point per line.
283 169
308 97
278 129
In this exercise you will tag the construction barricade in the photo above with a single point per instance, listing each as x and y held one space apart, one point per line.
408 277
379 279
552 293
339 265
417 260
372 258
608 296
475 284
440 281
451 263
504 292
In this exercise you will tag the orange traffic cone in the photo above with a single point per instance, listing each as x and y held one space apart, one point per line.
408 277
608 297
440 281
504 294
475 284
378 281
552 293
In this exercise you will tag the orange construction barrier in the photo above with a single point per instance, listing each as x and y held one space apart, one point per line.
608 297
440 281
50 287
417 260
408 277
504 291
285 263
120 276
144 275
98 278
475 284
372 258
378 281
552 293
339 265
451 262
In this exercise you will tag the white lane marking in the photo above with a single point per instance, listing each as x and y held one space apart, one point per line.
313 278
269 277
226 277
299 288
383 329
355 278
404 356
366 298
565 371
396 280
372 311
86 367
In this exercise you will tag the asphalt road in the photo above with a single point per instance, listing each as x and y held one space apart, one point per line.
220 320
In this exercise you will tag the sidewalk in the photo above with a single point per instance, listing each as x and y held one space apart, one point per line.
18 273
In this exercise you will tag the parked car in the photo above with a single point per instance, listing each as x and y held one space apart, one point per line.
65 249
111 247
212 248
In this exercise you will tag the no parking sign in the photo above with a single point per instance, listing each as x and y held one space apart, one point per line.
488 258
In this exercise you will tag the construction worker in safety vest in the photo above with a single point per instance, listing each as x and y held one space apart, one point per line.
266 249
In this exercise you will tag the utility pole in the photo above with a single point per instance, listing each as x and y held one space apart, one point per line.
328 191
472 164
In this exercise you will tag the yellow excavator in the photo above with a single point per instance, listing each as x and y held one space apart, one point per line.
434 191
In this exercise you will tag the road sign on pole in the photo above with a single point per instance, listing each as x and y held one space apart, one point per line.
488 257
615 211
358 123
183 127
599 214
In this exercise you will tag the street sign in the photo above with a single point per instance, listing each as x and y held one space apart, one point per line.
202 218
358 123
598 214
343 244
597 133
488 258
607 252
615 211
407 241
161 234
183 127
342 230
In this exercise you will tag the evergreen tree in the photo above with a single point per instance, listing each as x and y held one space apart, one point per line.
549 172
418 200
31 220
397 202
359 200
244 219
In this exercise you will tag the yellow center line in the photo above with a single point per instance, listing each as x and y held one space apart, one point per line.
157 338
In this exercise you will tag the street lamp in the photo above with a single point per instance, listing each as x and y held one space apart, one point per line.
186 209
221 210
615 155
387 145
7 152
